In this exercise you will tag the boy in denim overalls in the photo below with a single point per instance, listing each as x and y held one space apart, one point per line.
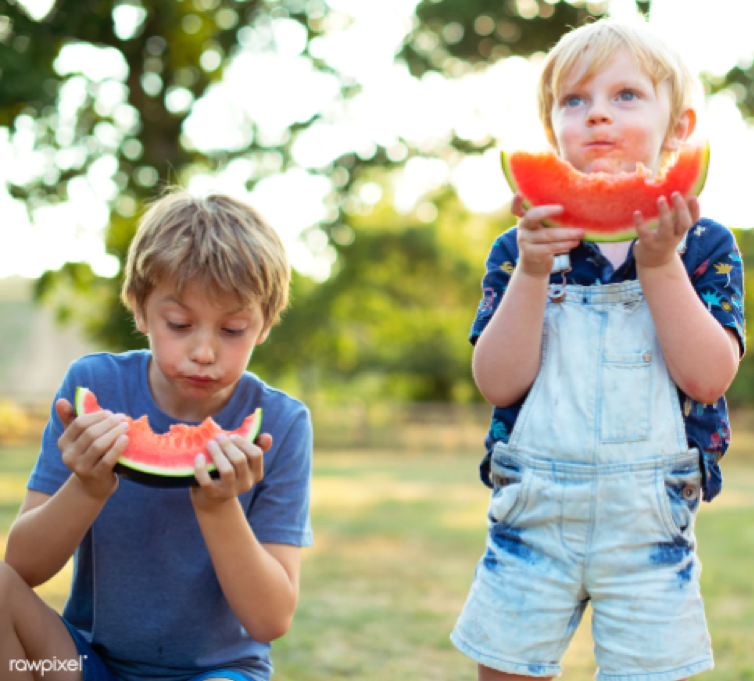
610 418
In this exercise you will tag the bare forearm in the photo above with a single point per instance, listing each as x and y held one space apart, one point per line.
507 354
699 354
257 587
43 539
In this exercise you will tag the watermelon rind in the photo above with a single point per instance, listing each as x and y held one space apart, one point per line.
80 400
156 476
625 234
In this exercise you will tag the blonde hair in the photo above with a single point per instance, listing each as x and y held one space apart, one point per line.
600 41
218 241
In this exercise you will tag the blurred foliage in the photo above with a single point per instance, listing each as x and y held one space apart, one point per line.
15 423
393 317
397 312
453 34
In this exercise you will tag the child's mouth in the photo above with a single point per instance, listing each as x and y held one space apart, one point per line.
199 380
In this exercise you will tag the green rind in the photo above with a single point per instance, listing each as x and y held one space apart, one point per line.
702 179
629 232
154 476
78 400
505 163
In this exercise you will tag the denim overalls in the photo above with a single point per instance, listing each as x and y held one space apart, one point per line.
594 500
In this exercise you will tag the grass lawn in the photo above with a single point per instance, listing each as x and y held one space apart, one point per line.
397 538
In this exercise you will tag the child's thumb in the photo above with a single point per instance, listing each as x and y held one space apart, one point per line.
65 411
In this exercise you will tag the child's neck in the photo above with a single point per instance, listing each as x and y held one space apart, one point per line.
615 252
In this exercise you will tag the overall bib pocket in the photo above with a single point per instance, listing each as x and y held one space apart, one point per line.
626 396
680 491
509 490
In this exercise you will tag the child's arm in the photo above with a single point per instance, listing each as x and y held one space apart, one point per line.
259 581
49 528
702 356
507 354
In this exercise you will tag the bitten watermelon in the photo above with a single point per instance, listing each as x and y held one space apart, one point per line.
602 204
166 460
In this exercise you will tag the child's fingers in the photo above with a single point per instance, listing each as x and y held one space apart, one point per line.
695 210
200 471
263 441
116 451
256 463
665 217
224 467
683 218
552 235
253 457
517 205
640 226
232 448
79 426
65 411
533 218
101 446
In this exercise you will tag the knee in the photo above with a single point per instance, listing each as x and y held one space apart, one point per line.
10 583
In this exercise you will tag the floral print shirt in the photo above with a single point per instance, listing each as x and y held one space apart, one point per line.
714 266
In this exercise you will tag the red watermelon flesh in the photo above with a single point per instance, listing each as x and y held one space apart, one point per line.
603 204
166 460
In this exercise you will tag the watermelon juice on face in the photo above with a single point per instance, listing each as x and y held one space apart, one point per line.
615 119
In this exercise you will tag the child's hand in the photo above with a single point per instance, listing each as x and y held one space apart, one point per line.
91 445
656 248
538 244
240 464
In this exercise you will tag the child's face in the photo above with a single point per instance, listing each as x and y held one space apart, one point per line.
614 120
199 349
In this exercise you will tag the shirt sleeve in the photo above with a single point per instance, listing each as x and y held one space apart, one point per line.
500 265
279 511
718 276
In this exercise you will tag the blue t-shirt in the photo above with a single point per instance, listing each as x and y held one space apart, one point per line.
144 591
714 266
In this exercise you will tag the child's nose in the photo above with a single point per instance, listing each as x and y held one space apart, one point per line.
598 115
202 351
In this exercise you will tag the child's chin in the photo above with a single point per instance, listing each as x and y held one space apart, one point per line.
611 166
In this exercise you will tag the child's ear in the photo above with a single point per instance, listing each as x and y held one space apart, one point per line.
263 336
681 132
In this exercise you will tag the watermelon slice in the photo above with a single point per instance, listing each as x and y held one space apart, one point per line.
166 460
602 204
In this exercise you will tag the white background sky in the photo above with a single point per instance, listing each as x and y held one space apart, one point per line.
274 84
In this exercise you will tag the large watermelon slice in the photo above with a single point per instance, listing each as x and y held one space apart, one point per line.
166 460
600 203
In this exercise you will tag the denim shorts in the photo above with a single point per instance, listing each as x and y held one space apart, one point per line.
562 535
94 668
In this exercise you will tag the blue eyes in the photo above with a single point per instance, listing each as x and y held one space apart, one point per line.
572 101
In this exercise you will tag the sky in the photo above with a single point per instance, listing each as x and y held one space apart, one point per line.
393 109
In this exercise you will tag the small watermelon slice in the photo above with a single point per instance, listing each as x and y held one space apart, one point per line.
602 204
166 460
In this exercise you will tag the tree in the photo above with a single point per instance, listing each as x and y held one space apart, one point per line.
166 55
403 290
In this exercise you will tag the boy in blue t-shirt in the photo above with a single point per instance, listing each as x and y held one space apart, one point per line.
178 584
607 366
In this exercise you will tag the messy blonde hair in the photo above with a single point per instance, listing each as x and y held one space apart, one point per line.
600 41
218 241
